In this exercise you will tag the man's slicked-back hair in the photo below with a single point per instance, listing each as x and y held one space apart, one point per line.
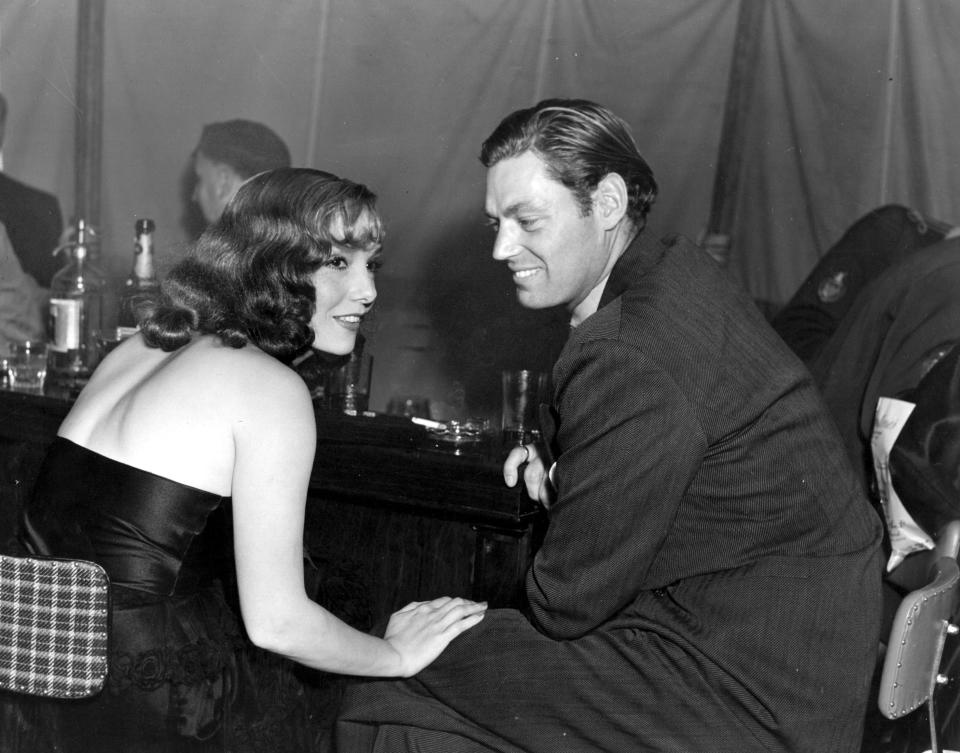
580 142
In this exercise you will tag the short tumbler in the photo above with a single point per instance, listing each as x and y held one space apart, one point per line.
27 365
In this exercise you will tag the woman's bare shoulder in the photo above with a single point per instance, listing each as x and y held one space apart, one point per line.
184 415
258 382
203 383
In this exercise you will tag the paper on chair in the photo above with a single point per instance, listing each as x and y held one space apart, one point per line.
906 536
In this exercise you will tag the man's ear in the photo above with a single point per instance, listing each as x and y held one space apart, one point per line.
610 200
226 181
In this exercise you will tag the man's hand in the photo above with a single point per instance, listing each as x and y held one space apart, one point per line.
537 479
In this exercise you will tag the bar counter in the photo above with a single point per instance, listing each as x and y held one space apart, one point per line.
390 518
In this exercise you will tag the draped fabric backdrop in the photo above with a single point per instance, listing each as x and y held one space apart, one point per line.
852 105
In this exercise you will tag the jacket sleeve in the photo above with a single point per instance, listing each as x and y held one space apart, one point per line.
630 446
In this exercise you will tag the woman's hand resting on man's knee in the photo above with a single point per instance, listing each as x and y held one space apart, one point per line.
422 630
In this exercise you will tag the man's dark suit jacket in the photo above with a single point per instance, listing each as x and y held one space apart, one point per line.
710 577
33 221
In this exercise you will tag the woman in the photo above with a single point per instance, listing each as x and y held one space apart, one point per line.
201 408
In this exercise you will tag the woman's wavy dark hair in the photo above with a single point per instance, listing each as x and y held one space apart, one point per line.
580 142
248 278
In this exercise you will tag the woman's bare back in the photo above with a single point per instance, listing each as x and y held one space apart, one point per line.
175 414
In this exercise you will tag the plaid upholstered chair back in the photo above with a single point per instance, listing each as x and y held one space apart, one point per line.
54 619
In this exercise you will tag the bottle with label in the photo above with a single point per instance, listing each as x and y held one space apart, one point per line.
142 279
75 316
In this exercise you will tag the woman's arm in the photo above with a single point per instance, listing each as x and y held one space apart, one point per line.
275 440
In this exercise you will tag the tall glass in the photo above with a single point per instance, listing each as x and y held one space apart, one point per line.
350 384
523 391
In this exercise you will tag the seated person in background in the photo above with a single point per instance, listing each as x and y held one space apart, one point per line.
873 243
201 410
21 299
925 458
228 154
900 325
897 327
33 221
710 576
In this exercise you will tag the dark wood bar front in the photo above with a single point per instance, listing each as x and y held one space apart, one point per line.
389 514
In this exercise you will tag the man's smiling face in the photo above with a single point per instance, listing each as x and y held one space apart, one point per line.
556 254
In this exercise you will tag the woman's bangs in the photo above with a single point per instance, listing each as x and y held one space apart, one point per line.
357 226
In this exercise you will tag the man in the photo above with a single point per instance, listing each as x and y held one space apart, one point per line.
32 219
709 580
900 325
228 154
21 300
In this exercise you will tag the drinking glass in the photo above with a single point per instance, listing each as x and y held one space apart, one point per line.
523 391
27 365
109 339
350 384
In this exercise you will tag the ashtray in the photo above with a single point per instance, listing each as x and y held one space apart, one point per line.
459 436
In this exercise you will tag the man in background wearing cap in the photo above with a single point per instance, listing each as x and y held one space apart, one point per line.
228 154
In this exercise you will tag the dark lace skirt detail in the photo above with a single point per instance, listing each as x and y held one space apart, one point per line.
173 680
203 661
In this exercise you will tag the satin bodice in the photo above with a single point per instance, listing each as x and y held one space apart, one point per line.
151 534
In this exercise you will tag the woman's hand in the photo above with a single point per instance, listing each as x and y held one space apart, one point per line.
423 629
538 480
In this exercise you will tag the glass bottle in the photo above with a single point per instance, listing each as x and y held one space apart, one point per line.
142 279
75 316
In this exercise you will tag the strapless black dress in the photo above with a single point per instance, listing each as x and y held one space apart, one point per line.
174 640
